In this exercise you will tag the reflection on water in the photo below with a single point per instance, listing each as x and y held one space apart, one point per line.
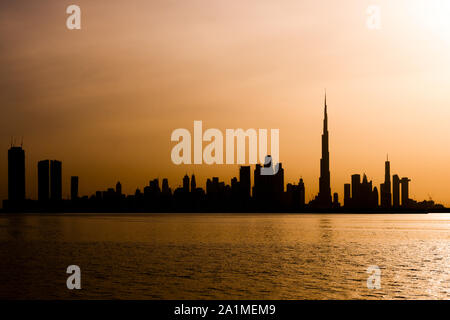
220 256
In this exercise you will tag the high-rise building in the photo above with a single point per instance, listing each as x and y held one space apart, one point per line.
301 189
405 191
375 197
44 180
193 184
74 188
118 188
165 186
324 196
16 174
244 181
186 183
356 190
347 195
396 191
55 180
385 187
336 200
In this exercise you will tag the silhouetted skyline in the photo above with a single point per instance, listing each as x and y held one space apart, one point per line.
268 191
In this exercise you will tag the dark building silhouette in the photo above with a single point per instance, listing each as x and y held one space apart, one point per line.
323 199
245 181
356 187
395 191
50 180
55 180
267 194
268 186
43 180
385 187
295 196
74 188
16 175
405 191
347 195
363 196
186 183
336 203
301 189
193 184
165 187
118 189
375 198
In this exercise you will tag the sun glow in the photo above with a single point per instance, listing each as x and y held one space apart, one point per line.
432 15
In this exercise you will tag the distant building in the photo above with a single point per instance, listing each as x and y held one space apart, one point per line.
323 199
186 183
119 189
385 187
301 189
55 180
244 181
74 188
347 195
336 203
405 191
193 184
16 174
396 191
356 186
43 180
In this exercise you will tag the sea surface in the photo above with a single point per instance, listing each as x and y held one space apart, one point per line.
225 256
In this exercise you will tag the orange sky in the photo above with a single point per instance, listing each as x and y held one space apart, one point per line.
105 99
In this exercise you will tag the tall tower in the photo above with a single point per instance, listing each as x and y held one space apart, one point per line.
193 184
55 180
324 180
74 188
43 180
244 181
16 174
386 186
396 191
186 183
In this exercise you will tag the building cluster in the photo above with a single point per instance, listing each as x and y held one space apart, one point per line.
268 192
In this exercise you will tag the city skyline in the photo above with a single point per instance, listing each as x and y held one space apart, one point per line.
267 193
105 99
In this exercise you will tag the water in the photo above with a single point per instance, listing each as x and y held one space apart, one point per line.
225 256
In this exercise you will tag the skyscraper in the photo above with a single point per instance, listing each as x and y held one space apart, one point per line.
74 188
385 187
55 180
118 188
301 189
405 191
16 174
396 191
356 190
193 184
43 180
324 197
244 181
186 183
347 195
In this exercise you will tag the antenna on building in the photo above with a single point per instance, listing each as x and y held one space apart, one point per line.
21 143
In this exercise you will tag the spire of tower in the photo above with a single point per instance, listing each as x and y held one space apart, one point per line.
325 118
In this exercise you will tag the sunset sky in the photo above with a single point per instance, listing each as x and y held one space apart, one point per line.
105 99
